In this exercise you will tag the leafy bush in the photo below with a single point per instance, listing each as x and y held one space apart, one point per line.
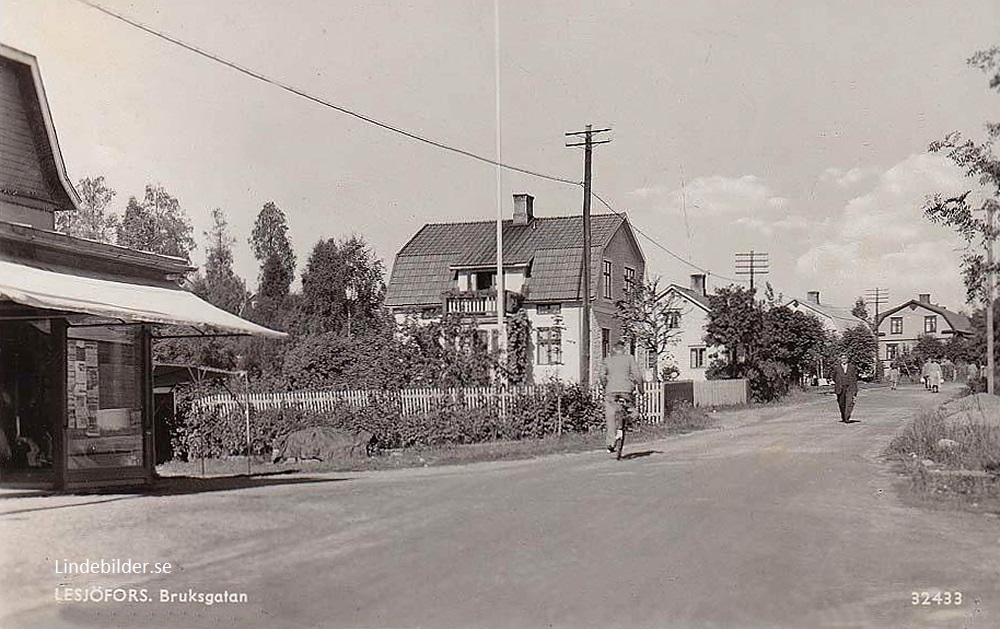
768 380
219 432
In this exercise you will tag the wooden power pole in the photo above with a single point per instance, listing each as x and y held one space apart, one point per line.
753 263
588 147
876 296
990 290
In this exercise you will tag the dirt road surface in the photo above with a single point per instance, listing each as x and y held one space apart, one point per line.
780 517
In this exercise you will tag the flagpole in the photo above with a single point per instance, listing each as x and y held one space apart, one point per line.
500 284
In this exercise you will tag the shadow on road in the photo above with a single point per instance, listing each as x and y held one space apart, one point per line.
175 486
638 455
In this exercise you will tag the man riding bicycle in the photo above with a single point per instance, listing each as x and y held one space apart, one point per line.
619 375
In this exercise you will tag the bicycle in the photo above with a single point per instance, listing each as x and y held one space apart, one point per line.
623 415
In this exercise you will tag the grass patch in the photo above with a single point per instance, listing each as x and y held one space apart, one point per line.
683 419
965 473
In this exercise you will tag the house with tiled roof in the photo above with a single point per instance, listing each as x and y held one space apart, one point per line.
450 268
688 314
835 319
900 327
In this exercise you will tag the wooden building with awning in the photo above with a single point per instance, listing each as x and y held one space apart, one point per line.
77 317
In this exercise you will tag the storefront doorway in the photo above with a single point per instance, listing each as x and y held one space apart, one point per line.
29 370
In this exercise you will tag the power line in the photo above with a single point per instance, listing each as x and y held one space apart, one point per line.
383 125
662 247
321 101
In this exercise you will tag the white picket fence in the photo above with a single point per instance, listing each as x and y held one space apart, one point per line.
650 404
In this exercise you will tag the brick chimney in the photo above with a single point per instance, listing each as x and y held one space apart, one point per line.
925 298
698 284
813 297
523 211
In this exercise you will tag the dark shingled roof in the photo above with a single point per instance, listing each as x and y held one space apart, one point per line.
424 267
958 322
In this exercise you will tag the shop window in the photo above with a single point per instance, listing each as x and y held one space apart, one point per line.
104 397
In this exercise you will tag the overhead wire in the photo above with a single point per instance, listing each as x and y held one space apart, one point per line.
384 125
321 101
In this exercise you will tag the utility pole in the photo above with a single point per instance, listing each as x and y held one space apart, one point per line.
991 207
752 264
876 296
588 146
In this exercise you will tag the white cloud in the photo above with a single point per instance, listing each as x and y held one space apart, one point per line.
881 237
848 178
716 194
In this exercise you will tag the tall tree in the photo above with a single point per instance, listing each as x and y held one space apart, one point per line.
269 241
647 316
792 338
735 321
95 219
860 309
859 344
343 284
157 224
220 284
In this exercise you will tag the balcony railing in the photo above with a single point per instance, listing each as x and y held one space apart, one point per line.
479 302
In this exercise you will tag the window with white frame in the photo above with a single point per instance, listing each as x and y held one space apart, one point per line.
891 351
549 346
673 319
629 284
930 324
606 274
895 325
697 358
548 308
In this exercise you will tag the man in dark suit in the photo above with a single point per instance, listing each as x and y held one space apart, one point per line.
845 385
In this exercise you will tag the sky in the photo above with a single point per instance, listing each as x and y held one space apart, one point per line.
799 129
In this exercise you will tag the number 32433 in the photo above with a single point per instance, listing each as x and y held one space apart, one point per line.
936 598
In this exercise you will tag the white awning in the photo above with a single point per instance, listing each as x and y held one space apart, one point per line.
133 303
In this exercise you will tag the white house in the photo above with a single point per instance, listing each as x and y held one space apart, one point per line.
689 316
900 327
834 318
451 268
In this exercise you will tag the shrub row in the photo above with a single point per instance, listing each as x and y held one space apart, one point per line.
216 432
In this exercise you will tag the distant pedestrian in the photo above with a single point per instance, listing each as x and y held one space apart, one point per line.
934 376
845 385
971 372
925 374
893 377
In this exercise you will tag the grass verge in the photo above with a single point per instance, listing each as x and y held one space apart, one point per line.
948 463
683 419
